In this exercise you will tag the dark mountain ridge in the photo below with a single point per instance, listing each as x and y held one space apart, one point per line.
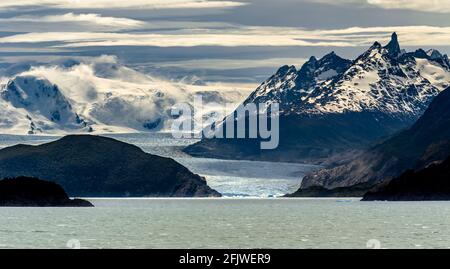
94 166
429 184
425 143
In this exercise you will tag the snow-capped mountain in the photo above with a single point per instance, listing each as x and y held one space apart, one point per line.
383 79
98 96
332 104
37 105
289 85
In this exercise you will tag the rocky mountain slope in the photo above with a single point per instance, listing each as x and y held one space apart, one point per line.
429 184
332 104
426 142
94 166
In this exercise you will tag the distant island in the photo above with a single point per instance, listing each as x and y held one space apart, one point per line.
33 192
95 166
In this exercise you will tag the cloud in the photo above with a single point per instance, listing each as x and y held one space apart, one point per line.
97 4
243 36
115 97
92 22
230 64
438 6
83 19
90 39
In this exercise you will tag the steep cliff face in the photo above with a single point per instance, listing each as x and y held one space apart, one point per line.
333 104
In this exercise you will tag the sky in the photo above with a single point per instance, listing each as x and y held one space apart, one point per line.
233 41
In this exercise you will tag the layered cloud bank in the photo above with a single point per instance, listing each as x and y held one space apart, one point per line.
148 4
82 19
240 36
439 6
243 35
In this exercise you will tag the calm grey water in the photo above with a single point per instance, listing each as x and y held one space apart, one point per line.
226 222
229 223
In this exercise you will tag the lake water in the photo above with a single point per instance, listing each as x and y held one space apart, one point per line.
229 223
226 222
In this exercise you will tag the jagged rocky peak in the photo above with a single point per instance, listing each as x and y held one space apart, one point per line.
332 61
288 85
393 47
420 53
332 57
375 48
434 54
286 69
306 73
314 67
315 71
373 54
312 62
437 56
382 79
376 45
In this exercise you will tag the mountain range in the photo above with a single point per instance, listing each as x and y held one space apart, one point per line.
98 96
331 105
425 143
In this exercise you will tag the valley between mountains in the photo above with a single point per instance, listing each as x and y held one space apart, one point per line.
366 121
